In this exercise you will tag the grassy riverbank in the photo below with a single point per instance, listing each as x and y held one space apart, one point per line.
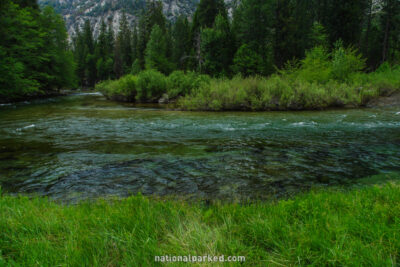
359 227
321 80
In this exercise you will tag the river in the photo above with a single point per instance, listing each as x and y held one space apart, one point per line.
82 146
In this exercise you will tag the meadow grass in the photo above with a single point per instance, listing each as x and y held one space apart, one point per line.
336 227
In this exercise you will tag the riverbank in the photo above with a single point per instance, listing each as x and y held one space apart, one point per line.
318 82
260 94
358 227
22 98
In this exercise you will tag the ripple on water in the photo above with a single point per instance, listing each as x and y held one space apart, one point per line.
83 146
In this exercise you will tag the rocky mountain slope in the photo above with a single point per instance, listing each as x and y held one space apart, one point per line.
75 12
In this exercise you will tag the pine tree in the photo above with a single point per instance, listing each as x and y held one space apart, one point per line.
60 68
181 42
293 24
34 52
124 37
253 25
342 19
27 3
110 38
102 46
206 12
247 62
390 28
153 15
90 59
118 59
156 52
217 47
204 18
135 43
103 56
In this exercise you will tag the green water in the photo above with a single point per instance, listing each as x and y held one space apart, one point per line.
82 146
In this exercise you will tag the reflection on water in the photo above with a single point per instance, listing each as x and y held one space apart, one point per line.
83 146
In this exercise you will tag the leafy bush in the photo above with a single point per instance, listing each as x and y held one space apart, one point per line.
345 62
180 84
385 80
315 67
321 66
151 85
123 89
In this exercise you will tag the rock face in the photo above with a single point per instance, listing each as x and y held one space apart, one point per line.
75 12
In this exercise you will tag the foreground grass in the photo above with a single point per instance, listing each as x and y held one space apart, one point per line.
353 228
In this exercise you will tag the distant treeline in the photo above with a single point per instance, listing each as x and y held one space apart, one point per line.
34 54
260 37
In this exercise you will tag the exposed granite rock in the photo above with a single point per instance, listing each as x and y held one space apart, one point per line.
75 12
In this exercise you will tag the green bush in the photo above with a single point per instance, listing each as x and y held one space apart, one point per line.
345 62
123 89
321 66
385 80
180 83
151 85
316 67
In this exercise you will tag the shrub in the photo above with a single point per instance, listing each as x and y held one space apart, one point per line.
315 67
123 89
180 84
385 79
151 85
321 66
345 62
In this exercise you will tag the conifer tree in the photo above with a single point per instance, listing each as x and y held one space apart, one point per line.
217 47
156 52
181 42
125 43
152 15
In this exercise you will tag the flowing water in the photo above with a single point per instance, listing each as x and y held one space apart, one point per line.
82 146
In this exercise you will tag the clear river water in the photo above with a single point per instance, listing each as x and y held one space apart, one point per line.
82 146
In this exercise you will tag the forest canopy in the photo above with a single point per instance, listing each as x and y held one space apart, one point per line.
256 38
34 54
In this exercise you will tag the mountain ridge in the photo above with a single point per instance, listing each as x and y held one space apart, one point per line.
76 12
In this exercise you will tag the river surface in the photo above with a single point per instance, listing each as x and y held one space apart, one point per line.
82 146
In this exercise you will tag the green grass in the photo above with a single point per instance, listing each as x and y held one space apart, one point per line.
308 86
357 227
273 93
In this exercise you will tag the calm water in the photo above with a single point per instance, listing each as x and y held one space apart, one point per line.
83 146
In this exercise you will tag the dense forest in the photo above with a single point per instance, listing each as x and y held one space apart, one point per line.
326 39
261 36
34 52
